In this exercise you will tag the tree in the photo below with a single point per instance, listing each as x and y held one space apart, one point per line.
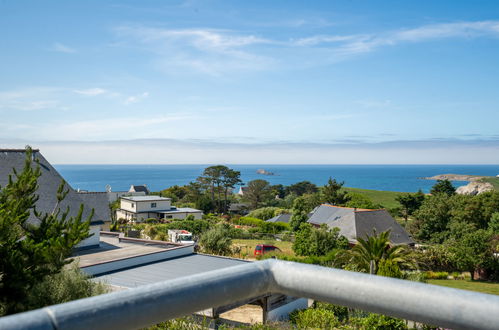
300 188
410 203
470 250
333 194
218 180
367 255
433 217
257 193
494 223
361 202
216 241
28 252
443 187
299 212
310 241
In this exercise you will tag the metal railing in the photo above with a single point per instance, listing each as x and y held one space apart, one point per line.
151 304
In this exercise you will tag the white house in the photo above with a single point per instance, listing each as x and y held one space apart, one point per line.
139 208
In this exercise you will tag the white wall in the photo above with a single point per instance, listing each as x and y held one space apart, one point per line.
93 240
145 206
282 313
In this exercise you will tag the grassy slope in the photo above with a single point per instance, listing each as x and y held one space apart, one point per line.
385 198
485 287
492 180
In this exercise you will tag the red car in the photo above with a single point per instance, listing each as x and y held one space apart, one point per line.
263 248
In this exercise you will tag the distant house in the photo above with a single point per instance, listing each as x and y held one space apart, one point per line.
359 223
239 208
48 182
242 190
139 189
139 208
283 217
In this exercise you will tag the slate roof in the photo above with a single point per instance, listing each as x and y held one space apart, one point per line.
283 217
354 223
99 201
150 198
141 188
48 183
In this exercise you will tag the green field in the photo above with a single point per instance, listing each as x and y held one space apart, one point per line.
484 287
248 245
493 181
385 198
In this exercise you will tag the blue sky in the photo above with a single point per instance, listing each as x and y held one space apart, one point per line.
251 81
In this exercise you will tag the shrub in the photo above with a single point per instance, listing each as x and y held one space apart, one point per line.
381 322
437 275
249 221
216 241
340 312
315 318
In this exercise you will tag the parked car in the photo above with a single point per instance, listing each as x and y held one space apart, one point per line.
264 248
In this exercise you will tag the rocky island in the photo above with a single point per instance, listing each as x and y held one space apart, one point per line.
264 172
476 185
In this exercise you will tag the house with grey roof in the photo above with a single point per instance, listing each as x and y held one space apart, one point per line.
49 182
139 189
359 223
139 208
283 217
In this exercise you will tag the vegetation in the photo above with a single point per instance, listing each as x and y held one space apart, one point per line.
443 187
484 287
385 198
333 194
29 253
410 203
266 213
310 241
219 181
257 193
216 241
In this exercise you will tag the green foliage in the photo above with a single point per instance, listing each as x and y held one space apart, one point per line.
176 193
249 221
258 192
67 285
494 223
314 318
436 275
433 217
380 322
443 187
389 268
217 241
300 212
333 194
266 213
218 181
301 188
410 203
369 253
29 253
340 312
361 202
310 241
434 257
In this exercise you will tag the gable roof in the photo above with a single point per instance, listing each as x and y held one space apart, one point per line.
360 223
283 217
139 188
99 201
48 183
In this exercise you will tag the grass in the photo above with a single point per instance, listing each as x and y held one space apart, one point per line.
248 245
478 286
493 181
385 198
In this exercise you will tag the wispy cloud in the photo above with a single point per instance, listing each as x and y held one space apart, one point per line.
30 99
61 48
91 91
136 98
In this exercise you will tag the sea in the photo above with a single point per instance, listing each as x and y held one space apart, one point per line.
402 178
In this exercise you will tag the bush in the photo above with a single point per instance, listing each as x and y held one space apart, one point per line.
249 221
266 213
380 322
315 318
70 284
340 312
216 241
436 275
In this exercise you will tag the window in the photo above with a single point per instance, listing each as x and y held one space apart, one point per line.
133 204
153 205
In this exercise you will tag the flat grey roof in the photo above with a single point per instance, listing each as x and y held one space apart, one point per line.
180 210
146 198
167 270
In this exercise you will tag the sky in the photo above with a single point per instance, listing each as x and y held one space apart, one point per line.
251 82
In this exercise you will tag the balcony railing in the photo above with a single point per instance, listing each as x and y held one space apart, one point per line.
151 304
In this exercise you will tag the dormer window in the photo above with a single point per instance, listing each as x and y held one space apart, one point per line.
153 205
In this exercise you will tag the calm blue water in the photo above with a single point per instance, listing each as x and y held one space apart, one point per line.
157 177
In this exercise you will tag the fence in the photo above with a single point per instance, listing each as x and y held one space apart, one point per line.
151 304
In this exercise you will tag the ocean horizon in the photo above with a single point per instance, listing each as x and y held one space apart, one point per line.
401 178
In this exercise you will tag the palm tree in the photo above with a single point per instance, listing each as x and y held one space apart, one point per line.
367 255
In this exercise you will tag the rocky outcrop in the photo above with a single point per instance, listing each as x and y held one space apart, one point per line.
474 188
455 177
264 172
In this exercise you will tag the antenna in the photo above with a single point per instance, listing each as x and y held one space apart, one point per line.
108 188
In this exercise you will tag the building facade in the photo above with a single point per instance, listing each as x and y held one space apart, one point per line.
139 208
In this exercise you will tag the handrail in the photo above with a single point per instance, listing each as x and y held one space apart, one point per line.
154 303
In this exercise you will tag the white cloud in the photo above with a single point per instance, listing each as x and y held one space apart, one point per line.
58 47
91 91
136 98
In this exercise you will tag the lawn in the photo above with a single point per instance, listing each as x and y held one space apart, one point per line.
248 245
484 287
385 198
